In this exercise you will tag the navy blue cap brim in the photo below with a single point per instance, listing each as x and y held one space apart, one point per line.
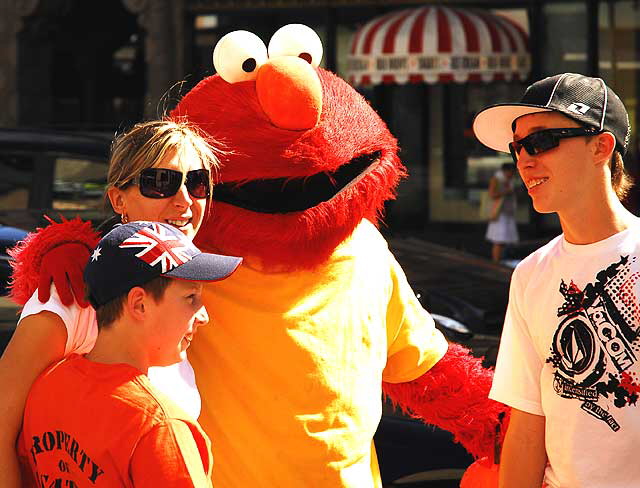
493 125
206 267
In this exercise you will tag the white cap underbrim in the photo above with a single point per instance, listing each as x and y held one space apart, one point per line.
493 125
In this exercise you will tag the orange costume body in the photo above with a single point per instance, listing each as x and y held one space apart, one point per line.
291 369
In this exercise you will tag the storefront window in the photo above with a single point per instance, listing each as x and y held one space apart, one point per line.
468 163
460 167
619 64
564 38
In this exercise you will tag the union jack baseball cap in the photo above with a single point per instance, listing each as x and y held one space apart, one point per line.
588 101
135 253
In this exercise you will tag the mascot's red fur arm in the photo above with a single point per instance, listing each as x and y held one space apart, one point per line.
72 240
453 395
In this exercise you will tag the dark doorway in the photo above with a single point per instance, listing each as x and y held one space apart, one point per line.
81 66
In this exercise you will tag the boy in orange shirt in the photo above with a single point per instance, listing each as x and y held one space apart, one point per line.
95 420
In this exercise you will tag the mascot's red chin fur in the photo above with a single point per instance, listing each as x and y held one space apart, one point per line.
306 162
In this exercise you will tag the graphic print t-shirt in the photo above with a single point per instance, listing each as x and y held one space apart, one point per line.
570 351
88 424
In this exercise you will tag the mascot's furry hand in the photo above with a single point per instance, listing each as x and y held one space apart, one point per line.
57 253
453 395
63 266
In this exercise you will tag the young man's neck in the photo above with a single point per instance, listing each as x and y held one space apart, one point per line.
600 218
116 345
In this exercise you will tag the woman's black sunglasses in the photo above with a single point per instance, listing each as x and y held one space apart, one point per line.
165 183
543 140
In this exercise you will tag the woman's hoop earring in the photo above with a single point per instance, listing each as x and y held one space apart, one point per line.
124 219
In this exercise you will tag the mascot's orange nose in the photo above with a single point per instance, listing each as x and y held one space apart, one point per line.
290 93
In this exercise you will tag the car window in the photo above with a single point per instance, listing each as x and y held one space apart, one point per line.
17 172
78 184
38 184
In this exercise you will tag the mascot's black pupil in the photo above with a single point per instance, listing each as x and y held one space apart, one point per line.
306 57
249 65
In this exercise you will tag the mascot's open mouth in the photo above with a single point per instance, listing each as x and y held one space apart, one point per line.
284 195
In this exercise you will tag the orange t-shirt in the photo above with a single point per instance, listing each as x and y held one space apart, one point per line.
290 368
88 424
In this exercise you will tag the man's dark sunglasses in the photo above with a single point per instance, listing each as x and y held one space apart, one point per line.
165 183
543 140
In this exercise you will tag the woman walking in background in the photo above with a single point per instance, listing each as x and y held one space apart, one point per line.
502 229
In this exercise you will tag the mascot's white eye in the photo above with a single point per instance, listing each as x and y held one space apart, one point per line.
238 55
297 40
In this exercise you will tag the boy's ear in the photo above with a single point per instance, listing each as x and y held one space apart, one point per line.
604 147
136 299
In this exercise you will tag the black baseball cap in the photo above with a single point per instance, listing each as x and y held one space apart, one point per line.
135 253
588 101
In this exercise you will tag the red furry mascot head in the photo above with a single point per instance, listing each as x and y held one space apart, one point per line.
305 158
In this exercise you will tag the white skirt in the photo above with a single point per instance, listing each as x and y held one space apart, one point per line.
503 230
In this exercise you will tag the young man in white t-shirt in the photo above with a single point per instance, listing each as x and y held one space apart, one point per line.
569 361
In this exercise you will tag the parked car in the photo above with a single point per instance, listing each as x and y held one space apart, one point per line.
53 173
9 236
467 296
414 455
58 173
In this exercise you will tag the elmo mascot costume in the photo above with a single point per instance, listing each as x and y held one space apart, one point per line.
319 320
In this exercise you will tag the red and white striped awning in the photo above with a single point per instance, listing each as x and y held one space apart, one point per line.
438 45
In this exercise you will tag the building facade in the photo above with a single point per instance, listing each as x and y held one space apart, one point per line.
103 65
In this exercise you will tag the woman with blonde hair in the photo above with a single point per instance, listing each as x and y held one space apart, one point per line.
158 171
